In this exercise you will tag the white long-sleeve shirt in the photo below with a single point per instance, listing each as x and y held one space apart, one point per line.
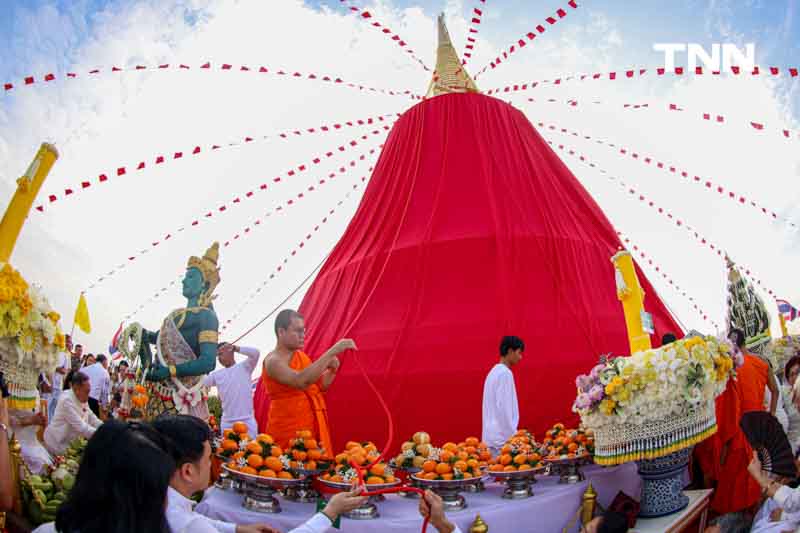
100 382
500 407
763 523
183 519
235 393
71 420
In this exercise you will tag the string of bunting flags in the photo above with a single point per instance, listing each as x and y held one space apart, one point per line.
521 43
671 169
206 66
632 191
474 27
236 200
644 257
367 16
632 73
707 116
291 254
162 159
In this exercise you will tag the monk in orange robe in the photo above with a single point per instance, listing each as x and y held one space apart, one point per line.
296 386
755 376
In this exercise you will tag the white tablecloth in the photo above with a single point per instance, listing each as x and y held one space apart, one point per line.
550 509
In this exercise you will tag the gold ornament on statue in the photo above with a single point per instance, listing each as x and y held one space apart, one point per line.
207 265
589 504
478 526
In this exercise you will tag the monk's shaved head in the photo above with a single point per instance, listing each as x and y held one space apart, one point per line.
284 319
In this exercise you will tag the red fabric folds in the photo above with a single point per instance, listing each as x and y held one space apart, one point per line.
471 228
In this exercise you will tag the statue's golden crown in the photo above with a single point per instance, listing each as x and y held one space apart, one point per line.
207 265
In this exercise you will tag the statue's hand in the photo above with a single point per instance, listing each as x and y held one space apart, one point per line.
158 373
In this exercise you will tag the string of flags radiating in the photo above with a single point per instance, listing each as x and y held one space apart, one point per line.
206 66
640 72
644 257
233 203
161 159
367 16
291 254
474 27
673 170
632 191
531 35
672 107
288 203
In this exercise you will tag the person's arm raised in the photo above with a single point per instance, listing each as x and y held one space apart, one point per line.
281 372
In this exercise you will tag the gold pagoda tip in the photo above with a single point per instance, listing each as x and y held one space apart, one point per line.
450 75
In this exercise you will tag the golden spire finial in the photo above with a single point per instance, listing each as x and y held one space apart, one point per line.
450 75
207 265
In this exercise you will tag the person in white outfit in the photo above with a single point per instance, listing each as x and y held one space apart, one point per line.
101 384
790 372
500 406
57 383
72 418
233 384
188 439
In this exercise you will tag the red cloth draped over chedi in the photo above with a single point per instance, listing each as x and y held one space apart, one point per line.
471 228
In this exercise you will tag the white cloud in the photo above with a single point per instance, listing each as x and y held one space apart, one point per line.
122 118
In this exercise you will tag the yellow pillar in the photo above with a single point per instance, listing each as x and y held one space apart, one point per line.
784 331
631 295
27 188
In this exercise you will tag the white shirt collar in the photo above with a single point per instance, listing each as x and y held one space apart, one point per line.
179 500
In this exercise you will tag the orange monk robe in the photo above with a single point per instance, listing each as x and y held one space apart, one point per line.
292 410
753 377
735 490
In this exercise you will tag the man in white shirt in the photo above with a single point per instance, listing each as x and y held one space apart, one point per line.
57 383
72 418
189 439
233 384
500 407
101 383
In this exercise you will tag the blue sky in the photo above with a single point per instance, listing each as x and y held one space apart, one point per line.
103 121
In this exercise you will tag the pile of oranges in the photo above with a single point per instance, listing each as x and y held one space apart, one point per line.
304 452
564 443
520 453
415 451
363 454
456 461
140 397
257 457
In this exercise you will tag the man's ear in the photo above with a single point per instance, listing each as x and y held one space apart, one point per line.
186 471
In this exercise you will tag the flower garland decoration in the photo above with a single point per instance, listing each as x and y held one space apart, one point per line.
669 389
27 317
133 333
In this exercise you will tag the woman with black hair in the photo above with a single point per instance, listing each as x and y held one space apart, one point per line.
121 484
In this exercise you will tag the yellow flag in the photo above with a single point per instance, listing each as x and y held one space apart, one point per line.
82 316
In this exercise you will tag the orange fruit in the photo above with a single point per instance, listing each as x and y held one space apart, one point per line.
389 479
273 463
524 467
443 468
249 470
310 444
535 457
298 455
266 439
311 465
337 478
254 447
445 456
429 466
276 451
342 458
283 474
461 465
496 468
430 475
505 450
509 468
228 433
255 460
473 463
505 459
374 480
350 445
485 455
305 434
472 450
229 445
472 441
572 447
238 455
240 427
378 469
519 459
314 454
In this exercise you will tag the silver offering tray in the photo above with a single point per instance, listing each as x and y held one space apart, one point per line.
568 469
225 481
448 490
369 510
259 491
303 492
519 484
411 470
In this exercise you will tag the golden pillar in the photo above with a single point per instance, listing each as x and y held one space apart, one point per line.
27 188
784 330
631 295
589 505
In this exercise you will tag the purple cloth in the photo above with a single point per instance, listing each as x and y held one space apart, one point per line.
551 508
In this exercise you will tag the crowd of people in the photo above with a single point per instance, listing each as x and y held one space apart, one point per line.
150 471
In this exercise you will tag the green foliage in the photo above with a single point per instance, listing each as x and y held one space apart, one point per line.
215 408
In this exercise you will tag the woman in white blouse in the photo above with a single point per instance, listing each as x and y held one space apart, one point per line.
790 372
72 418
